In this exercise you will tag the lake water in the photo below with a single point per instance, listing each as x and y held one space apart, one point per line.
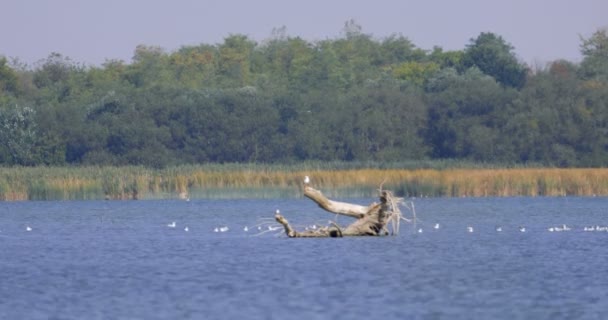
119 260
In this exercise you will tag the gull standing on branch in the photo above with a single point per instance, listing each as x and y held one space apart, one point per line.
306 180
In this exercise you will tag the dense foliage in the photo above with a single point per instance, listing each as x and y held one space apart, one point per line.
354 98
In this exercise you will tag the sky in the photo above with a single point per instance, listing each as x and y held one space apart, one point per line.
93 31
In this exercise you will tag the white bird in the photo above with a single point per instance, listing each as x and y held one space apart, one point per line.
224 229
436 226
306 180
420 230
246 229
28 228
278 211
551 229
216 229
470 229
566 228
522 229
171 225
499 229
186 229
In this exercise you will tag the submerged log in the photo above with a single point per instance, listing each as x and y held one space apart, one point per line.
370 221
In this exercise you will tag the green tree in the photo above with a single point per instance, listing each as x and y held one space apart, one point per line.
415 72
358 56
235 60
150 67
58 79
285 61
350 98
595 53
18 134
388 123
465 115
396 49
447 59
195 66
558 119
495 57
9 83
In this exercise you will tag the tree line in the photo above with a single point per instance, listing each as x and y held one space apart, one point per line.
284 100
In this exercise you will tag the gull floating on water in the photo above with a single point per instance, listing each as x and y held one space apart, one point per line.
186 229
470 229
436 226
522 229
224 229
498 229
171 225
420 230
246 229
559 229
28 228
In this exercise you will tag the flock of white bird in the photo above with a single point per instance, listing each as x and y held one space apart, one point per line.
268 225
561 228
261 227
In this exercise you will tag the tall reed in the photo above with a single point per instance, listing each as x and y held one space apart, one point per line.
337 180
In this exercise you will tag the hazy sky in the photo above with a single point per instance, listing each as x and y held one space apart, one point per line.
91 31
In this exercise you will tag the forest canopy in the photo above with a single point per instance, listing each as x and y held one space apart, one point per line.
284 100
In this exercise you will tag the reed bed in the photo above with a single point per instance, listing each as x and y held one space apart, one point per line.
259 181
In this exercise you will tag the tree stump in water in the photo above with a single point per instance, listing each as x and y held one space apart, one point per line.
372 220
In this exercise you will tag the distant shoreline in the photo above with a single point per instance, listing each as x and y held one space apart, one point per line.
259 181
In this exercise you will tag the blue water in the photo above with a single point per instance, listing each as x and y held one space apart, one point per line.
119 260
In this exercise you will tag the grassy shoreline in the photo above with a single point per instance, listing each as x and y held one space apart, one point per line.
259 181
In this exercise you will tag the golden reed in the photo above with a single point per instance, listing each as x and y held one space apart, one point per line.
180 182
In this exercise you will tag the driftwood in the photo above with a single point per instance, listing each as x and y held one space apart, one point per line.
372 220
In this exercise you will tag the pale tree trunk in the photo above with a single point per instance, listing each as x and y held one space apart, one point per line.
370 221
